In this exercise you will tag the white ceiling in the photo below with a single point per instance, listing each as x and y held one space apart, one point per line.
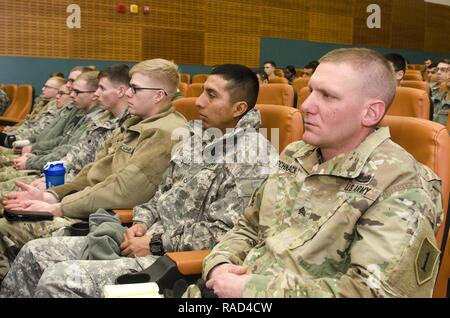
444 2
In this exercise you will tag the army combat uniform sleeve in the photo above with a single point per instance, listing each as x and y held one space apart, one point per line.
391 255
236 244
123 188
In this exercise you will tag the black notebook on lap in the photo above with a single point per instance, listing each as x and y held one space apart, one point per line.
23 215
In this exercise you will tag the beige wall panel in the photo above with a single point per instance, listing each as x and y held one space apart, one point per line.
330 28
227 48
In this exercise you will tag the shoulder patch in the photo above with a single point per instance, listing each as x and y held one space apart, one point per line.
426 261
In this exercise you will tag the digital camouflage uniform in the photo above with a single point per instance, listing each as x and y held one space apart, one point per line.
361 224
195 205
85 150
38 104
4 101
127 171
441 108
36 124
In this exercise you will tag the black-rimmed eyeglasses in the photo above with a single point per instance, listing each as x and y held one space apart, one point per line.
135 89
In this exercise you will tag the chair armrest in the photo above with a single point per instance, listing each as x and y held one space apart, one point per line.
8 121
126 215
190 262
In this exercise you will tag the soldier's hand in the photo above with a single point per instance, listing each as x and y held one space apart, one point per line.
227 284
227 268
20 163
136 230
136 247
26 149
28 193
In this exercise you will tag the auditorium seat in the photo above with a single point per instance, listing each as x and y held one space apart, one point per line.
302 96
276 94
11 91
299 83
183 87
19 107
410 102
199 78
416 84
278 80
185 78
413 77
194 90
279 72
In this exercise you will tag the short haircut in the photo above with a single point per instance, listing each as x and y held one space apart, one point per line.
427 59
291 69
59 80
377 74
83 69
263 75
312 65
162 70
445 61
91 79
270 62
397 60
432 65
56 74
118 73
242 83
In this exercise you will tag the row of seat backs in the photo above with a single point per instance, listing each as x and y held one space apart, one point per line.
19 107
276 94
409 102
416 67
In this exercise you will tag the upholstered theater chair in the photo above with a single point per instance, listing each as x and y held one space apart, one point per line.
410 102
276 94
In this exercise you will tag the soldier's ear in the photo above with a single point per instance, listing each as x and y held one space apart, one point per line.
373 113
122 90
239 109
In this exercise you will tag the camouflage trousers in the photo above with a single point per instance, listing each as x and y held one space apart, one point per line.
49 268
6 151
192 292
19 233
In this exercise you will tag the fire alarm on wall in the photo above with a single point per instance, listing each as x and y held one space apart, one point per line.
121 8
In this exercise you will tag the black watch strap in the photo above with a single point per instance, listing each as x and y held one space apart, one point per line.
156 245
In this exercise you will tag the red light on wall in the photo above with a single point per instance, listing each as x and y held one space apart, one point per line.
146 10
121 8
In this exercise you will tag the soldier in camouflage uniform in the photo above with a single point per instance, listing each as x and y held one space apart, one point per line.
4 101
443 73
348 213
49 92
128 167
442 105
197 202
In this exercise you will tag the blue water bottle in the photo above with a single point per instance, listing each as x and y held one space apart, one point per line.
54 174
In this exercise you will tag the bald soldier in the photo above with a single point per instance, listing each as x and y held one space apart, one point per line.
349 213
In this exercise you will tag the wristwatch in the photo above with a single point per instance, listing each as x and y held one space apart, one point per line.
156 245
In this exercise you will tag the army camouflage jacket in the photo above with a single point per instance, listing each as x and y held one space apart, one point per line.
85 150
31 128
198 202
38 104
38 159
361 224
127 169
4 101
441 108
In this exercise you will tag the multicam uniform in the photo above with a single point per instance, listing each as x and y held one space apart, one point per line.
441 108
361 224
4 101
195 205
